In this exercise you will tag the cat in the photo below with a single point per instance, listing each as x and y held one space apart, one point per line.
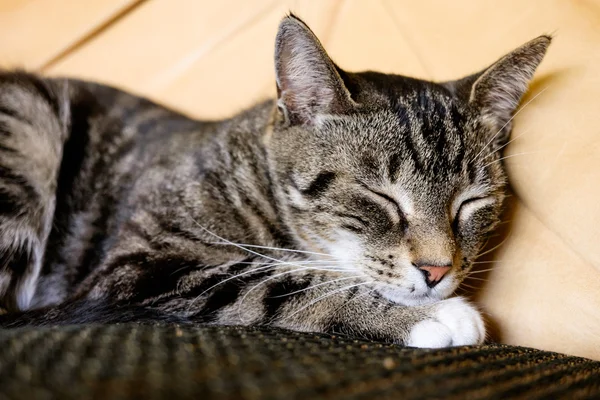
354 203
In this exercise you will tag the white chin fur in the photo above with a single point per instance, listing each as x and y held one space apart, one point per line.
421 293
405 297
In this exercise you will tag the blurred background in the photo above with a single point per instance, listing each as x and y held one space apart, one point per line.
212 58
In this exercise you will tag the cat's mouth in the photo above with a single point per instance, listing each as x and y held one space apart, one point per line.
408 296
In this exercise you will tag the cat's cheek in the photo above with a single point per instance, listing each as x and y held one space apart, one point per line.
346 247
474 228
470 239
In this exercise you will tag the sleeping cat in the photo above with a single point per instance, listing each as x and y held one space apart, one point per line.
355 203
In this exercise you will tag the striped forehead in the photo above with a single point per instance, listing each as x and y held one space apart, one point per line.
432 132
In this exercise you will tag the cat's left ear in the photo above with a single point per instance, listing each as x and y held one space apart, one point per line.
496 91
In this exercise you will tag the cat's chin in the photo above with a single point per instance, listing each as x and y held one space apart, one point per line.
406 297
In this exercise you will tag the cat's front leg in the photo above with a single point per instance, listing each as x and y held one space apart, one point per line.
338 305
299 296
450 322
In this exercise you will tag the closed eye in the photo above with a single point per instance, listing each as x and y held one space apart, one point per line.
395 209
356 218
468 207
353 223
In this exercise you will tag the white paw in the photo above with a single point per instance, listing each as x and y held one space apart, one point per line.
454 322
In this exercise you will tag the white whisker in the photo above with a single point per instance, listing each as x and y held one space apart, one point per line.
505 144
476 279
317 285
252 271
509 121
327 295
270 278
511 156
273 248
493 248
508 220
355 297
368 292
486 262
481 271
186 267
469 286
298 262
241 247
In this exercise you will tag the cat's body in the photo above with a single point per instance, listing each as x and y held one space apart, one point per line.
354 204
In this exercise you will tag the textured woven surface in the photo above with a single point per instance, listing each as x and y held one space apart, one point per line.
155 362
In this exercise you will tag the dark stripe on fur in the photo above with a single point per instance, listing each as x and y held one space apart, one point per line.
29 194
278 295
320 184
86 311
110 194
16 260
34 84
5 131
220 295
94 252
7 149
336 327
156 273
44 89
221 193
162 275
413 153
392 167
12 113
75 149
171 228
267 223
10 204
457 121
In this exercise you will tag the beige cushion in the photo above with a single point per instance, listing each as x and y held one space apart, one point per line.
211 58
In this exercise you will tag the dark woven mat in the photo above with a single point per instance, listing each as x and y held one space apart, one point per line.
170 362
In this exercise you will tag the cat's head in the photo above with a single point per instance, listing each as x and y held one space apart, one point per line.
400 180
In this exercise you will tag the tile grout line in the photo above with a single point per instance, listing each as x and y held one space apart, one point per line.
165 78
86 38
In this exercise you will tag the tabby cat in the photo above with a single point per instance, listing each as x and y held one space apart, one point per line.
354 204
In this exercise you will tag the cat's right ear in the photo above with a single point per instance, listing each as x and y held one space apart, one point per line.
308 83
496 91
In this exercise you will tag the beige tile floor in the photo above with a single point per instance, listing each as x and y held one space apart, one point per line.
212 58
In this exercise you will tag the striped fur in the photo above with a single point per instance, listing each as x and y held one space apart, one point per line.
312 212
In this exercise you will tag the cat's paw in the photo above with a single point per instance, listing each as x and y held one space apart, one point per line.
454 322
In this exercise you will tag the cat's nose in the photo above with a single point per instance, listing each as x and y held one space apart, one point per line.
433 273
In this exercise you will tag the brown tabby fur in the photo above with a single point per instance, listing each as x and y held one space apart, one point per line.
314 212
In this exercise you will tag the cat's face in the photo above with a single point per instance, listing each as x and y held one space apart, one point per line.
398 180
391 190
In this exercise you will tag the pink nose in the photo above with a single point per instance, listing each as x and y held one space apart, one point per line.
434 273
